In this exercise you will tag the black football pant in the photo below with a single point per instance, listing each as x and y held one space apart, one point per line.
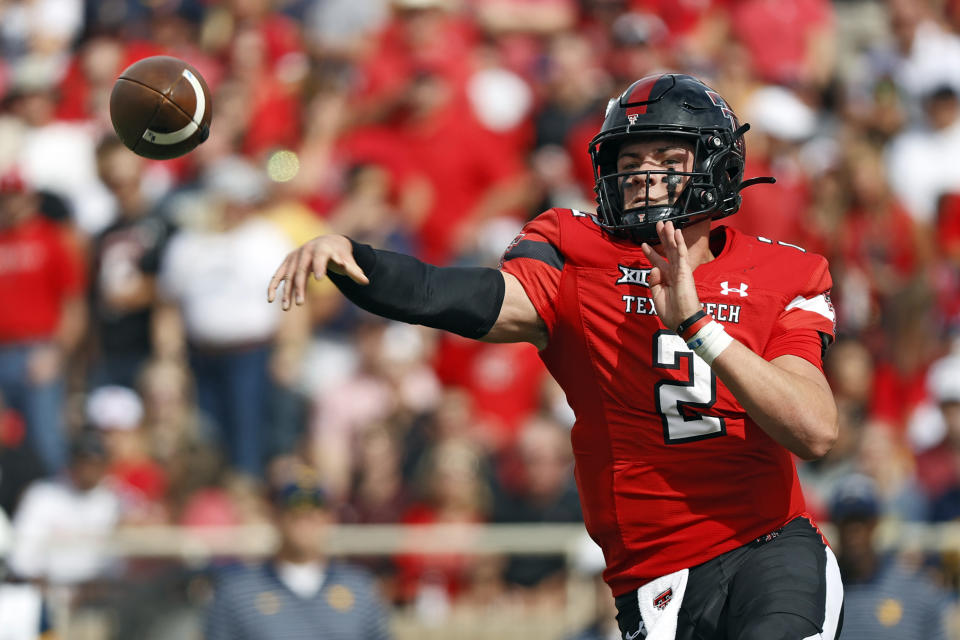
784 586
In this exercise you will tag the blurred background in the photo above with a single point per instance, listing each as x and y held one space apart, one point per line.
156 415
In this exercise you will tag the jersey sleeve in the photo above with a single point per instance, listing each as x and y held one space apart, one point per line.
807 323
535 259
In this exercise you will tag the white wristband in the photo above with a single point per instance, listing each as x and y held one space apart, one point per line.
710 342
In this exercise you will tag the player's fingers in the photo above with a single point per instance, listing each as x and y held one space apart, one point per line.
288 281
351 268
319 262
655 258
660 229
304 258
665 238
280 275
681 243
655 278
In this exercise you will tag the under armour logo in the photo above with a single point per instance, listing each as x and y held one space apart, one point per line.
633 276
726 289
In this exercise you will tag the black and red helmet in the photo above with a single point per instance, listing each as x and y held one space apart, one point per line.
671 106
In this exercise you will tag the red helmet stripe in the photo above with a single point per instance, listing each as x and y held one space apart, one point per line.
641 94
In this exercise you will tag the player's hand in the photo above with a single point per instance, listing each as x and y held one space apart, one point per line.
316 256
671 279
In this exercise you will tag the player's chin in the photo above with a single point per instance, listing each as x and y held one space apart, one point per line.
638 206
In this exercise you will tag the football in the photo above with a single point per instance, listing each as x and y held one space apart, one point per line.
160 107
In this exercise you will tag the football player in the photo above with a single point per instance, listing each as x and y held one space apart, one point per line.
690 353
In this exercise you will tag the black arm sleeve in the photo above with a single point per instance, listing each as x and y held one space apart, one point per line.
462 300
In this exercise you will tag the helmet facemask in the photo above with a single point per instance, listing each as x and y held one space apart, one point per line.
696 195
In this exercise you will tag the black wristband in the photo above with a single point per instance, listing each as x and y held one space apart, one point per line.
686 324
462 300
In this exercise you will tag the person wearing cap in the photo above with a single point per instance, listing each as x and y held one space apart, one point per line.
884 597
78 505
117 412
781 125
42 319
209 311
299 592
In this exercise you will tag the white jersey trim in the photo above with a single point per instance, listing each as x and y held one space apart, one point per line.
833 601
817 304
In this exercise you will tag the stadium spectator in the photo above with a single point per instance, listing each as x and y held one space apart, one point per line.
502 380
126 259
174 424
935 433
901 363
62 523
885 597
790 44
543 492
920 56
884 457
341 28
570 84
877 235
878 248
452 489
140 482
780 125
390 379
299 592
918 184
849 366
58 155
43 319
378 493
84 90
228 336
44 30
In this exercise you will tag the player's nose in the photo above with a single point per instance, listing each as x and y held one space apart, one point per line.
642 177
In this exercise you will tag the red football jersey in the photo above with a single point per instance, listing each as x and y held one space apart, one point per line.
671 470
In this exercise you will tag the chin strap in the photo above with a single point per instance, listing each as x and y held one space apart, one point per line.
753 181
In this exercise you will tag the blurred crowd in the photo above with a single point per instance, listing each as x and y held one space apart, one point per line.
145 380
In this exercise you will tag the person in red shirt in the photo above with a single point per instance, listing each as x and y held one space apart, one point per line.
691 356
504 382
42 315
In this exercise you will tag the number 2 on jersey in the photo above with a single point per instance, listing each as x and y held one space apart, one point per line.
674 397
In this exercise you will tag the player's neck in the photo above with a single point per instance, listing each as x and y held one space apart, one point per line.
697 237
